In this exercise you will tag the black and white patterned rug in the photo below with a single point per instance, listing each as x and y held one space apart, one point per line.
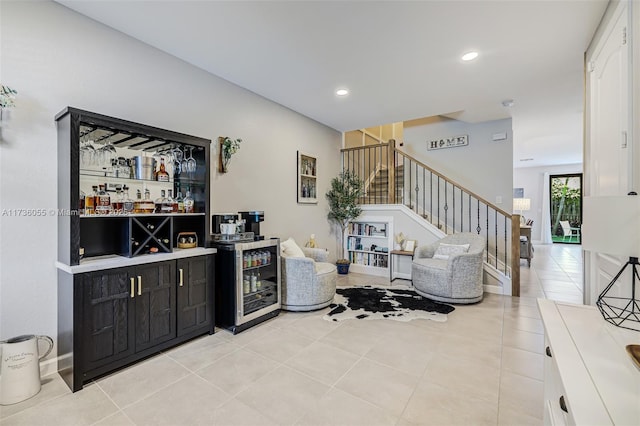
397 303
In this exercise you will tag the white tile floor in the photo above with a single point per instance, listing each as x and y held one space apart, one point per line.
482 366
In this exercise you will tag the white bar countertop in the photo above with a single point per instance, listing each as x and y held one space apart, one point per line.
98 263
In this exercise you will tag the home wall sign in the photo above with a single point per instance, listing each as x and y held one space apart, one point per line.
452 142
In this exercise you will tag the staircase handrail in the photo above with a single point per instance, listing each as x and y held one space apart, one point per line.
451 181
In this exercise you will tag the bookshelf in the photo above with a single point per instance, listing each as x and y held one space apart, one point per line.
367 244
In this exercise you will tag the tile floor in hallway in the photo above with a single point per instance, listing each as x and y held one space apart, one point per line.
483 366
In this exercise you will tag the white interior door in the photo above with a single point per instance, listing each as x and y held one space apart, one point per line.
608 159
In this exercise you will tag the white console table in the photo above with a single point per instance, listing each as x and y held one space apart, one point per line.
588 377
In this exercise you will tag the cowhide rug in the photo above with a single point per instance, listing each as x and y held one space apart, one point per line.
397 303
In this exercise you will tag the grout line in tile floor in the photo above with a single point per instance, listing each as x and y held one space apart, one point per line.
120 409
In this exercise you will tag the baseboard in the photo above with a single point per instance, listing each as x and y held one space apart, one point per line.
498 283
402 275
494 289
369 270
49 367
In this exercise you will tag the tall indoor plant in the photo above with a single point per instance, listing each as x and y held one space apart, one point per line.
343 197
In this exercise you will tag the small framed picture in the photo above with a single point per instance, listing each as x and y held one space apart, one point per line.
410 245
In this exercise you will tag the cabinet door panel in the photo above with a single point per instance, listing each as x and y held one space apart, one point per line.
155 306
607 150
194 307
108 310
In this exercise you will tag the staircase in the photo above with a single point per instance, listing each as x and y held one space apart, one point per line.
377 189
392 177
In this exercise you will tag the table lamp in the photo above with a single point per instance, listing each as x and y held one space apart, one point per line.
611 225
522 204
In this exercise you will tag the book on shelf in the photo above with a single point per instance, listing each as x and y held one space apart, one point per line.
354 243
368 259
366 230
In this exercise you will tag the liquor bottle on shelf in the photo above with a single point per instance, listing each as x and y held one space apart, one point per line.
150 226
117 206
128 202
162 175
188 203
173 204
159 201
147 205
137 204
166 205
180 202
162 204
103 206
81 202
134 243
90 201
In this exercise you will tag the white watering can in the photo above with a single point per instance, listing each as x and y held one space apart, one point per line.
20 367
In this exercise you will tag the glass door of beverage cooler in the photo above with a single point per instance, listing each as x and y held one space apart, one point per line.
258 287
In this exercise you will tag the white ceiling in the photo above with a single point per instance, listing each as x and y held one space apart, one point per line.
400 60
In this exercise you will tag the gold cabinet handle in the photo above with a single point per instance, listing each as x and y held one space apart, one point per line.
133 287
181 278
139 285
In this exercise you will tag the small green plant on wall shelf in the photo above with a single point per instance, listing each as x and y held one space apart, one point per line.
7 98
228 147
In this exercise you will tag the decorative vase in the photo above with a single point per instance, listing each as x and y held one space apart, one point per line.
224 165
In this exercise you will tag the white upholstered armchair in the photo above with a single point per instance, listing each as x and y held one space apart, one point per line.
450 270
308 282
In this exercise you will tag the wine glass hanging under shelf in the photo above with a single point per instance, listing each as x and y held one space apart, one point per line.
99 144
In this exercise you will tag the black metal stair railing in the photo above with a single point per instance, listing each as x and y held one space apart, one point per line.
393 177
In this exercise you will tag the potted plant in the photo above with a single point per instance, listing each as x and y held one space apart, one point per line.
343 207
228 147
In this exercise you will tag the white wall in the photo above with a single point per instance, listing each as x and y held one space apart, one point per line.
483 167
532 180
55 58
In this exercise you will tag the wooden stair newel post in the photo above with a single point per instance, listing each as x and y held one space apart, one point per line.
391 171
515 255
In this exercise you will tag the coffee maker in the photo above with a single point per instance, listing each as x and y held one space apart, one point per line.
253 219
217 219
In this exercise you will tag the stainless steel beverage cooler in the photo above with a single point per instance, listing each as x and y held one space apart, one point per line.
247 283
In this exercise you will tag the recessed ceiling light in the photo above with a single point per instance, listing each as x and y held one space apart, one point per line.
526 159
342 92
508 103
470 56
